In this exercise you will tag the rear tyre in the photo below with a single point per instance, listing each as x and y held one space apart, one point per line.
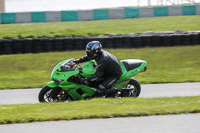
132 89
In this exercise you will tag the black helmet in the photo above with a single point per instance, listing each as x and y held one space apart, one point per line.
93 49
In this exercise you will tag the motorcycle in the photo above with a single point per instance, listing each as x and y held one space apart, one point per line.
67 86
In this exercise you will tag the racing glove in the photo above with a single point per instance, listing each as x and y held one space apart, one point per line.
76 61
85 81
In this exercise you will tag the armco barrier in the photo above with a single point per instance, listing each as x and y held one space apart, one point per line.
7 18
69 15
23 17
146 12
53 16
131 12
116 13
85 15
175 11
160 11
134 40
99 14
189 10
38 16
198 9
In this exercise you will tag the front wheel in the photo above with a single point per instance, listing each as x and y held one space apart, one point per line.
56 94
132 89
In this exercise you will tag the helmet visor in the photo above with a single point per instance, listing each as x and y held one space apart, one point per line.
90 53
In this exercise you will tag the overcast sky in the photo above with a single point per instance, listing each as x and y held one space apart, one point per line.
56 5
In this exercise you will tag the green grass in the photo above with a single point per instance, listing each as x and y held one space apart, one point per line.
165 64
98 108
91 28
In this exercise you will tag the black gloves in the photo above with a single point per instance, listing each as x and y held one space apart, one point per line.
85 81
76 61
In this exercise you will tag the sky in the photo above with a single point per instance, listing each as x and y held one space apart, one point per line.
57 5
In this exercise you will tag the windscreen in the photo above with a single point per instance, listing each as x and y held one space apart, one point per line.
68 66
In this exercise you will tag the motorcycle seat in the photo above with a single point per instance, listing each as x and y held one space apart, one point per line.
131 64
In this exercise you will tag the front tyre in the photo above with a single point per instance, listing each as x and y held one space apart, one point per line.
132 89
56 94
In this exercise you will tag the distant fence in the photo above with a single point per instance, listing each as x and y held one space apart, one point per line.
135 40
99 14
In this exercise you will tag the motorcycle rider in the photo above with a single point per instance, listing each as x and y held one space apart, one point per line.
107 66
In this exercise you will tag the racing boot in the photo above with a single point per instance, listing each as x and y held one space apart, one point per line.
111 92
100 92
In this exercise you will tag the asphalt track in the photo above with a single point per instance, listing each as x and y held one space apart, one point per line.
30 96
152 124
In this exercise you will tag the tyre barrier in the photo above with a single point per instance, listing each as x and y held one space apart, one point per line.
134 40
27 45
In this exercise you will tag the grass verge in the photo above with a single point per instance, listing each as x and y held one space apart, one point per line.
165 64
98 108
91 28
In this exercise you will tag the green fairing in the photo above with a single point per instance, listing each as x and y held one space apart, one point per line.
88 68
52 84
80 91
125 78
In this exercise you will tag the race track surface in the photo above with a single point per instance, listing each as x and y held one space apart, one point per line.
22 96
151 124
188 123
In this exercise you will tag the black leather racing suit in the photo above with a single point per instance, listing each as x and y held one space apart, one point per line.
108 65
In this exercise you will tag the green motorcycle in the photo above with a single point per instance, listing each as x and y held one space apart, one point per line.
67 86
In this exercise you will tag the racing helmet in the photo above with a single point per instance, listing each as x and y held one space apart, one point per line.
93 49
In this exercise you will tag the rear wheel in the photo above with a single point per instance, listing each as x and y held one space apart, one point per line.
132 89
56 94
